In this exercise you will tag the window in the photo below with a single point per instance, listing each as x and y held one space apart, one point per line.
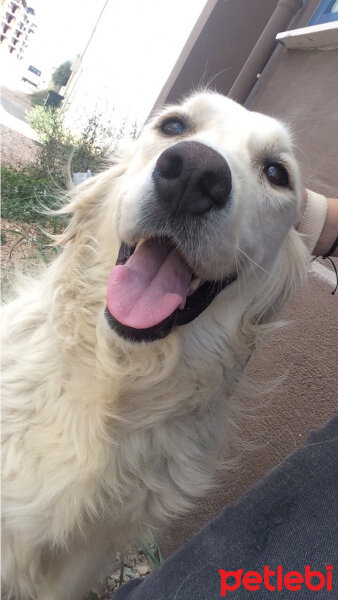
327 11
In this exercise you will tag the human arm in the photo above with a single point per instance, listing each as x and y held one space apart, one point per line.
318 222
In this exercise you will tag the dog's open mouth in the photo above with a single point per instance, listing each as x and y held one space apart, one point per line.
152 289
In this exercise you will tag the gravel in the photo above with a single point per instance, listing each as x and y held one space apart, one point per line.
135 565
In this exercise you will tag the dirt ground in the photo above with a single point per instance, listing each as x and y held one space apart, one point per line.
16 149
135 565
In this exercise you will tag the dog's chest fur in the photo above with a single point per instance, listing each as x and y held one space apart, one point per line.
129 435
161 432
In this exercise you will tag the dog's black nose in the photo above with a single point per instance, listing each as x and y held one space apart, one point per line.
192 178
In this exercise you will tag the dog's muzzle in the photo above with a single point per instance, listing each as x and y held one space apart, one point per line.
152 288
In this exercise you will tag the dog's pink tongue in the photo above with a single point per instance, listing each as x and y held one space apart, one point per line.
150 286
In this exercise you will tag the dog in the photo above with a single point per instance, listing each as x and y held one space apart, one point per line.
118 379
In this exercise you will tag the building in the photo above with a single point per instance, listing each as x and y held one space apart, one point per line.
127 56
279 57
17 26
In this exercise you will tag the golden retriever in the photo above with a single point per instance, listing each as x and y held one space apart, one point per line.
118 380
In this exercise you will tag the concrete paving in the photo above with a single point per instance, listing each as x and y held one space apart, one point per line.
13 108
13 115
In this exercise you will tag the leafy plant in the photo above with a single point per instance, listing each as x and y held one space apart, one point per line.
56 144
62 73
91 150
60 151
25 203
38 98
24 195
27 199
47 122
152 552
27 192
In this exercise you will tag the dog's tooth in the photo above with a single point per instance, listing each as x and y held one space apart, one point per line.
140 242
195 283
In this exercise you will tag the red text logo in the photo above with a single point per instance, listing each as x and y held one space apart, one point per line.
275 580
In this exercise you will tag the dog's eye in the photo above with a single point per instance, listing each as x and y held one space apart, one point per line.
173 127
277 174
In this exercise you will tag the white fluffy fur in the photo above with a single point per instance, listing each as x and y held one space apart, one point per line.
103 438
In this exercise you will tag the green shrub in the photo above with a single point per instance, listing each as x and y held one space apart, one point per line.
26 200
25 197
61 153
47 122
55 144
38 98
28 192
90 150
62 73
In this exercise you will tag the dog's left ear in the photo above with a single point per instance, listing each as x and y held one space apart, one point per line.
84 199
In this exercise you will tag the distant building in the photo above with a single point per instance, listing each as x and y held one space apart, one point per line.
124 64
17 26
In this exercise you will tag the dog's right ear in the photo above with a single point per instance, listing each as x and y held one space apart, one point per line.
85 200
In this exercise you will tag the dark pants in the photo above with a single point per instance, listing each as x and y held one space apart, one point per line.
287 522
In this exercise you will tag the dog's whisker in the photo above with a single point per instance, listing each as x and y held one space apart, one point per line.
251 265
256 264
213 77
238 276
201 84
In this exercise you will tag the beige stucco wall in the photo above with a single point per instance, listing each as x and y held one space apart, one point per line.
301 87
217 51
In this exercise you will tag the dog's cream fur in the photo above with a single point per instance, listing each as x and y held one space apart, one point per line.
103 438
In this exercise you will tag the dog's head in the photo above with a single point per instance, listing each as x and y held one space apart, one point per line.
208 197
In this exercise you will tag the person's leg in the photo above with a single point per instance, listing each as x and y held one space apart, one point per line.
289 520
